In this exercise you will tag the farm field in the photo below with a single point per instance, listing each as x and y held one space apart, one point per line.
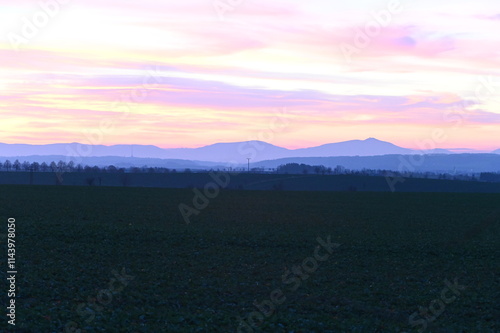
122 259
252 181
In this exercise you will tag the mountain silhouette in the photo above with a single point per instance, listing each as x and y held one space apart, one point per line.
230 152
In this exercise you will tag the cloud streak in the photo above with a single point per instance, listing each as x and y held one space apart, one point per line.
222 80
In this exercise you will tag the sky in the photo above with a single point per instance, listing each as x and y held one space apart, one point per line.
420 74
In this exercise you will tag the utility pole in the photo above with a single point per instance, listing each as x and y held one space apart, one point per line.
248 158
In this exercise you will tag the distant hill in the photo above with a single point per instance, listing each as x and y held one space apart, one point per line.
368 147
219 152
77 149
236 152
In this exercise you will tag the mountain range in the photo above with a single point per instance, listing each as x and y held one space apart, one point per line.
355 154
234 152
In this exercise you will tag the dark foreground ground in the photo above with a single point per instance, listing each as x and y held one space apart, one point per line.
252 181
117 259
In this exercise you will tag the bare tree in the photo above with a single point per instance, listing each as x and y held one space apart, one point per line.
17 165
35 166
61 166
26 166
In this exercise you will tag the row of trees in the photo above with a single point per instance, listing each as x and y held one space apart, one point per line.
489 177
35 166
62 166
290 168
295 168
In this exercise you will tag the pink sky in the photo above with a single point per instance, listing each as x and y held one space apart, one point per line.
185 74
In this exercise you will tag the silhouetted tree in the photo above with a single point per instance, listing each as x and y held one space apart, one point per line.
16 165
26 166
61 166
339 169
35 166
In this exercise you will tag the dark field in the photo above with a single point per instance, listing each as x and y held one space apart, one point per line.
396 251
252 181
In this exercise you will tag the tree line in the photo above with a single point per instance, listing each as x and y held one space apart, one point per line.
62 166
295 168
289 168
